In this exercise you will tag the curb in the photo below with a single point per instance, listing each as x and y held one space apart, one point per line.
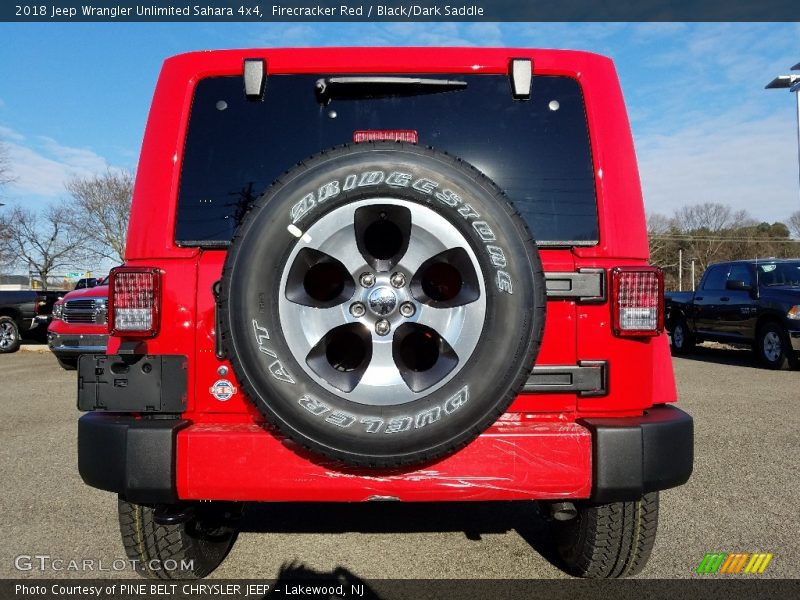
40 348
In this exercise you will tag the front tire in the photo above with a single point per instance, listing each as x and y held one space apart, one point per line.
773 347
608 540
10 339
188 550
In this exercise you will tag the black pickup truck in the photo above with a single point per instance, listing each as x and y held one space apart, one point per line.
754 302
24 313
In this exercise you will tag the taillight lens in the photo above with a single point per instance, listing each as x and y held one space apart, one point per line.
134 300
637 301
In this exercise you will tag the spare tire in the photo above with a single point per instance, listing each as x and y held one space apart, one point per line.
382 304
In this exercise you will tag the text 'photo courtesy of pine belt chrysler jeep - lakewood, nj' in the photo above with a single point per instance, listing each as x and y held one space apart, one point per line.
405 274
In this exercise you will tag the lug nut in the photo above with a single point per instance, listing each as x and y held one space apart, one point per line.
367 280
407 309
382 327
398 280
357 309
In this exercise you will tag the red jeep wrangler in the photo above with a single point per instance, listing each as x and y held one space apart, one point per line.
339 264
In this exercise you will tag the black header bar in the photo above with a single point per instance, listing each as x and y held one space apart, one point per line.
45 11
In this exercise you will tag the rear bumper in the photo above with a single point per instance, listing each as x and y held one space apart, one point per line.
163 460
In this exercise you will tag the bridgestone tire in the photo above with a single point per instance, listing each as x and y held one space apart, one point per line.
10 339
188 550
439 419
608 540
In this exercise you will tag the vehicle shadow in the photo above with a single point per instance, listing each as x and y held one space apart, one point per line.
728 355
472 518
324 584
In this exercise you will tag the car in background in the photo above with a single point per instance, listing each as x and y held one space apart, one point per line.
24 313
89 282
79 325
753 302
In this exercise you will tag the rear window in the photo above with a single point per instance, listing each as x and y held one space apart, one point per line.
537 151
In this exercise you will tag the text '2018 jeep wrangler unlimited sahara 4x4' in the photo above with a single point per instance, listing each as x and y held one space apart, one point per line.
338 267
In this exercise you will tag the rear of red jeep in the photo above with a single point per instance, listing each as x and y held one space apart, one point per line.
373 274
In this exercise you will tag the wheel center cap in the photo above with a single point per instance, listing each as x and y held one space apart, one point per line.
382 301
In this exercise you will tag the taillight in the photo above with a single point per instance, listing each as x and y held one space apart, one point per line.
134 301
637 301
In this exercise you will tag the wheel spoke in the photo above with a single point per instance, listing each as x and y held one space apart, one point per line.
382 233
422 356
451 323
317 322
342 355
446 280
318 279
382 370
341 246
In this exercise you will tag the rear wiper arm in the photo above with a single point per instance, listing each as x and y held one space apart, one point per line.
377 87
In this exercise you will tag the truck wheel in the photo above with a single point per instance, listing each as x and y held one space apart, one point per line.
9 335
773 347
382 304
68 364
187 550
682 339
608 540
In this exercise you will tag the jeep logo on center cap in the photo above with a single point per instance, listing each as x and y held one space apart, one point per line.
382 301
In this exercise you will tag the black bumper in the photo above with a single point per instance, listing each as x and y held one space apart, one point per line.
631 456
635 455
132 457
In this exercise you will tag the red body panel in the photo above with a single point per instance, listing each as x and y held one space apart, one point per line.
536 450
512 460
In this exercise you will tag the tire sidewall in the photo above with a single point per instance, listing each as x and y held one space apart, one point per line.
484 385
772 364
15 344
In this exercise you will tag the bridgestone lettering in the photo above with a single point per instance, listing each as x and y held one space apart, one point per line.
444 196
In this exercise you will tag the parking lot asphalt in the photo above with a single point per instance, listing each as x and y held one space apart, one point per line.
743 495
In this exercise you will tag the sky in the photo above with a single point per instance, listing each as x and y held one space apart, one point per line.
74 97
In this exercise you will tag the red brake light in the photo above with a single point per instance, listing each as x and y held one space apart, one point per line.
637 301
386 135
134 301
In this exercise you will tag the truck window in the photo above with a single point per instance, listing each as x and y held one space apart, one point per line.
741 273
715 278
537 151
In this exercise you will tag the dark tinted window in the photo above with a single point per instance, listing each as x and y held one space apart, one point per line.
779 274
536 150
715 278
741 273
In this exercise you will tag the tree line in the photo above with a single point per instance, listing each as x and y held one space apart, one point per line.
92 223
712 232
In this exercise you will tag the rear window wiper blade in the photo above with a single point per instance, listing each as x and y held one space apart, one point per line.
378 87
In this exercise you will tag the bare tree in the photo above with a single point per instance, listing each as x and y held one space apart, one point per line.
6 175
99 210
42 241
794 223
706 226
